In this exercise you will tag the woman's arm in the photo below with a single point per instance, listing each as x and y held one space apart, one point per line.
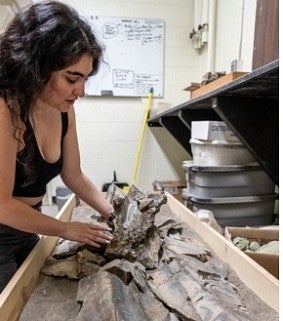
73 176
21 216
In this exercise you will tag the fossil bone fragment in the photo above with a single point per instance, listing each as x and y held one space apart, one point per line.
153 271
105 297
135 232
63 267
187 283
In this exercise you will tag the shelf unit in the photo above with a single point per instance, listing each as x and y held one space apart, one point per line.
249 105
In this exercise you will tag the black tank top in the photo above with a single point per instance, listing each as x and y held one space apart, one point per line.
44 171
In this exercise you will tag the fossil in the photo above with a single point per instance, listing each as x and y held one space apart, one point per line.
135 237
151 271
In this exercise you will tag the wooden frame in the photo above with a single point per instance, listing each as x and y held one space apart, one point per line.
18 290
221 81
261 282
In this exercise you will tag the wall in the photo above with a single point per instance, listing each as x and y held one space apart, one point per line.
8 9
229 16
5 16
229 45
109 128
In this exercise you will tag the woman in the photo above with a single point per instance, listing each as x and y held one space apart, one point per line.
46 55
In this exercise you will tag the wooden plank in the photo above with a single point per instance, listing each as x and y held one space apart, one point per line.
18 290
215 84
260 281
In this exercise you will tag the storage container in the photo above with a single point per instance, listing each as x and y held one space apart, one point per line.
227 181
62 195
262 235
186 165
218 153
235 211
212 130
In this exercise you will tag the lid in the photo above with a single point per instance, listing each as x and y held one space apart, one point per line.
215 142
226 168
233 200
187 164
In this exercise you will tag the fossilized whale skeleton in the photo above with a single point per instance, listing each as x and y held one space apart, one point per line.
150 272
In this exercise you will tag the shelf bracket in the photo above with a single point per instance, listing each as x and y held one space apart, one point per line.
255 120
178 130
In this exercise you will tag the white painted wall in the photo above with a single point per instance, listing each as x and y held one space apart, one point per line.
229 16
109 127
228 35
8 8
5 16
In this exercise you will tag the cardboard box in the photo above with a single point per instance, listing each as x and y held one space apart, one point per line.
175 188
261 235
212 130
214 84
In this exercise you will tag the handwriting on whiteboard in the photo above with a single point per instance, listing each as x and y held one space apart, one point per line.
133 30
133 56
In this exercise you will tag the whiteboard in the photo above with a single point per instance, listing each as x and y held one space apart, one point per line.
133 57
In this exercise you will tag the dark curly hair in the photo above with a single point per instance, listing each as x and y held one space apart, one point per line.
47 36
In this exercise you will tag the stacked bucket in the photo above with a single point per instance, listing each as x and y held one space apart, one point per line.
225 178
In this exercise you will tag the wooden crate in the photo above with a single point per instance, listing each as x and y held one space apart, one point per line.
214 84
261 282
18 290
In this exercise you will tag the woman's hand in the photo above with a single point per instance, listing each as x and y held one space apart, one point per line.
93 234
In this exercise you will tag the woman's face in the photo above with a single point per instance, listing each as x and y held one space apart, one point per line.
66 85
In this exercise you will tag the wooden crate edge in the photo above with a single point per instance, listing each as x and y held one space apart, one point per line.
18 290
217 83
262 283
255 277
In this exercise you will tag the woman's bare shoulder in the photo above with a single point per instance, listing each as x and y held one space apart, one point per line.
3 103
7 123
5 114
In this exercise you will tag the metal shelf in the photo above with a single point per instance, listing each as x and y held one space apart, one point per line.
249 105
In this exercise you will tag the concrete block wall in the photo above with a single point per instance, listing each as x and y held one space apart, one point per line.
109 127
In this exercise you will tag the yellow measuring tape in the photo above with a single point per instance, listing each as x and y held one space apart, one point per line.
139 150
